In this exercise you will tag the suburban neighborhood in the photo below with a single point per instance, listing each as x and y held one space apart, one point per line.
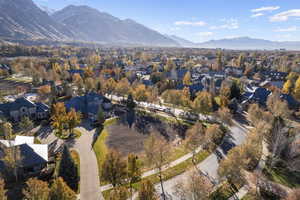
139 116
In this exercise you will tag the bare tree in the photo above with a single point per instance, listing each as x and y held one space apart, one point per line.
157 151
195 138
277 139
196 187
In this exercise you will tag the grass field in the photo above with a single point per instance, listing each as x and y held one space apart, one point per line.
100 147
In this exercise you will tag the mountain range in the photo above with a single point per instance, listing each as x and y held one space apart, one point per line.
23 20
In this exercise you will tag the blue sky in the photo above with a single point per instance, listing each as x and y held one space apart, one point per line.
202 20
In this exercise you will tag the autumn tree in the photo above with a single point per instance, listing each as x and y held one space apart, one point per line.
213 136
68 169
287 87
119 193
60 191
232 167
140 93
109 86
123 87
147 191
203 103
195 138
73 119
114 169
225 115
59 117
277 106
187 79
277 139
133 170
241 61
12 156
297 89
90 84
254 114
196 187
44 90
2 190
36 190
157 152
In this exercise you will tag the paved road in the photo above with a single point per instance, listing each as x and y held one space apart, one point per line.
210 165
89 176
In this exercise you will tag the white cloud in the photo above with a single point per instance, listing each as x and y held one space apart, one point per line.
289 29
190 23
264 9
205 34
228 24
284 16
257 15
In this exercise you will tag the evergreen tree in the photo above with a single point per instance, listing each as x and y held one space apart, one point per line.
68 169
130 104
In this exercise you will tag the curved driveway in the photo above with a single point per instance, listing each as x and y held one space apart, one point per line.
89 175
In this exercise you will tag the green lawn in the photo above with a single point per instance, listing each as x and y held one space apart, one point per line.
100 147
171 172
283 176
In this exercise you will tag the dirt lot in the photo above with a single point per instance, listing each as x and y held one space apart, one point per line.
130 140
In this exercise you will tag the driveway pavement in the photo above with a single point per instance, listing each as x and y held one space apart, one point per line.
89 176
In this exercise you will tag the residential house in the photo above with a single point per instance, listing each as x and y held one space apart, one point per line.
23 107
275 75
233 71
257 95
33 157
89 105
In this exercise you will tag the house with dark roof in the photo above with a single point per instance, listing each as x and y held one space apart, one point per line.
275 75
89 105
258 95
33 157
23 107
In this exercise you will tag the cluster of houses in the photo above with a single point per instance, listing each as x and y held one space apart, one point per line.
23 107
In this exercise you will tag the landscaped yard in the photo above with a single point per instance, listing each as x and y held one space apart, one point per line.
171 172
100 147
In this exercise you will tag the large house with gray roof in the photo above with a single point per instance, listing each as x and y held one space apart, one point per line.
89 105
23 107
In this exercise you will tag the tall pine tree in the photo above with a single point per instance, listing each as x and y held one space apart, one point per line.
68 170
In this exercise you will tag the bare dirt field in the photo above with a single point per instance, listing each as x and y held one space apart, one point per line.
131 140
